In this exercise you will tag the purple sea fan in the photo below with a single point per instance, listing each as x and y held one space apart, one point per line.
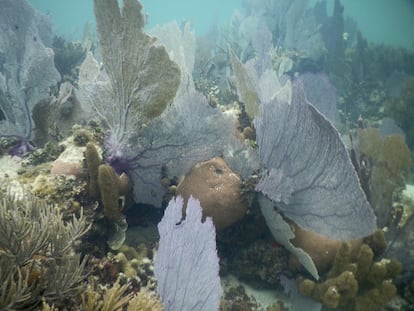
176 140
155 118
137 81
22 147
307 170
186 265
27 69
321 93
305 167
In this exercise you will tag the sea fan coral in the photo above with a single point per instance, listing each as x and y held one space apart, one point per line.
138 80
186 266
26 71
145 136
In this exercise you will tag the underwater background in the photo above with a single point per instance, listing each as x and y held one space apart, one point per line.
380 21
249 155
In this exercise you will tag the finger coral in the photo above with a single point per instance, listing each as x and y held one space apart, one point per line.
356 284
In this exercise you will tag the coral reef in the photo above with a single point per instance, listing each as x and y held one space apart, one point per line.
302 194
49 152
360 70
146 135
109 189
134 266
236 298
409 292
62 110
333 33
260 263
246 86
276 160
145 300
302 178
401 240
69 162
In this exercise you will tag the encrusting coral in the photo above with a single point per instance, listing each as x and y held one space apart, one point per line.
356 283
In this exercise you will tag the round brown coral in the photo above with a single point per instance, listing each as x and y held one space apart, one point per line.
218 189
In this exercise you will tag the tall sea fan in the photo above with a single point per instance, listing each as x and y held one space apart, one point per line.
305 170
150 130
27 70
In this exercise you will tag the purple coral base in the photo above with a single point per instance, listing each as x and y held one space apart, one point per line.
22 147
